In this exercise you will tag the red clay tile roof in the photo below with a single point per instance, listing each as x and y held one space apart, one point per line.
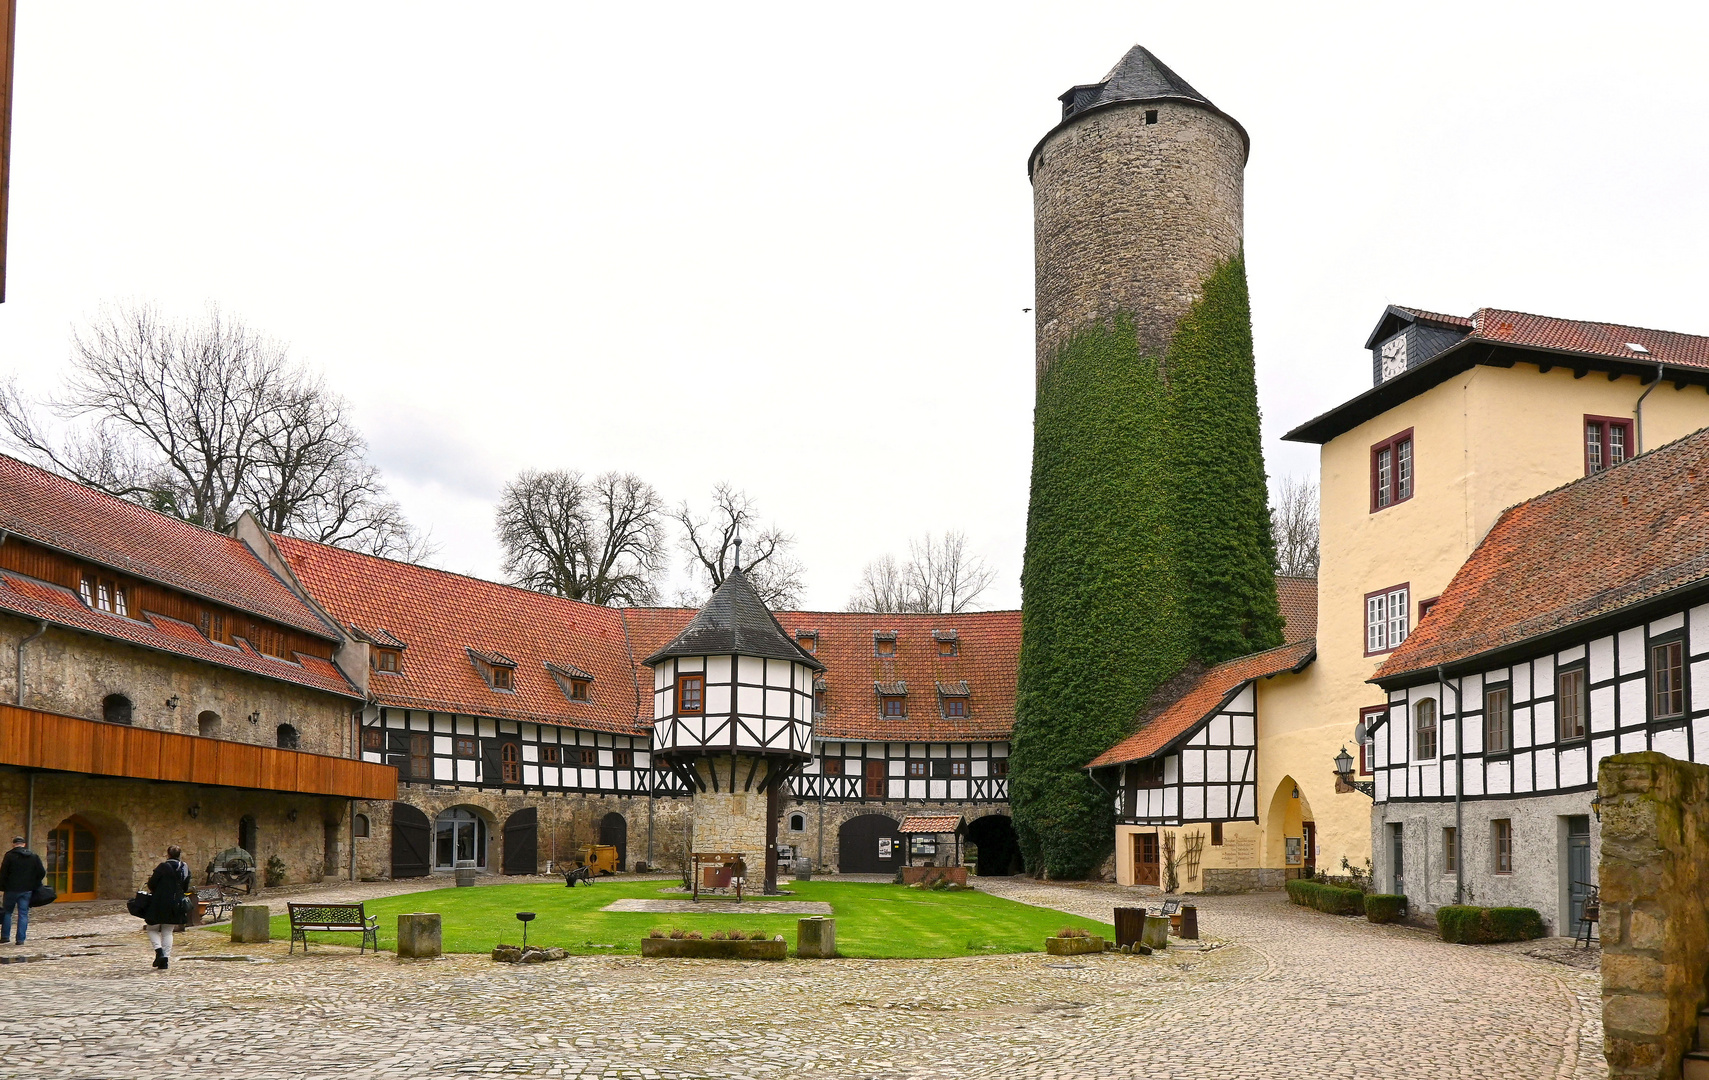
1202 697
69 517
988 649
442 616
930 823
1297 597
1586 549
36 599
1590 338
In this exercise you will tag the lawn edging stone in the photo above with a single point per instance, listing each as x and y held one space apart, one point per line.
1073 946
705 949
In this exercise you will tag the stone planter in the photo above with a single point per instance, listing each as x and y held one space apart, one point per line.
704 949
915 875
1073 946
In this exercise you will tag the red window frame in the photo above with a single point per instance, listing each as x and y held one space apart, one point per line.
549 755
691 694
1425 606
589 756
954 706
510 763
373 738
1387 491
465 746
892 706
1667 680
503 679
1606 426
1000 767
1370 717
832 766
958 770
623 759
916 770
1389 644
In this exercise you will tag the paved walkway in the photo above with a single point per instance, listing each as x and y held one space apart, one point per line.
1289 993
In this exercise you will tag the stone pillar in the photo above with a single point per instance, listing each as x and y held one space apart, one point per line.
250 923
1156 933
816 938
418 935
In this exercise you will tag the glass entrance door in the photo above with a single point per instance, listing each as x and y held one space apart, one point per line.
459 836
71 852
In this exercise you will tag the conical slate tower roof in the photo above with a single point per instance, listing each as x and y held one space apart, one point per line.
735 621
1138 76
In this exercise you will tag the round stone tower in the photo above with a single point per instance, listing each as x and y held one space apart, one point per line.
733 719
1137 198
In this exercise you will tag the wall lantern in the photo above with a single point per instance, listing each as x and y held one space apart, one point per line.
291 814
1596 806
1344 775
255 717
195 809
172 702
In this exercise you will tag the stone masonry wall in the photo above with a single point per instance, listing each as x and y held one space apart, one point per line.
72 673
1133 217
1655 926
730 815
134 821
818 841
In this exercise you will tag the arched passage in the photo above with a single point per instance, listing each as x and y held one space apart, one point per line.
999 851
869 844
1290 834
614 832
91 853
460 836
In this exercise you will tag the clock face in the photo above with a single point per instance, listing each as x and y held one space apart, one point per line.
1394 356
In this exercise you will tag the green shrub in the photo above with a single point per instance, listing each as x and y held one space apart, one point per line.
1326 898
1384 907
1129 557
1464 924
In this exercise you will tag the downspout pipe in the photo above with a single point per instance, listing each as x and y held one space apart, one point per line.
41 629
1459 790
1638 409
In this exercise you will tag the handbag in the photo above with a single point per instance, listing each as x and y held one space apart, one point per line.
138 904
43 894
186 908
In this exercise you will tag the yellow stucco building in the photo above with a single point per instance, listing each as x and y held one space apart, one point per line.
1231 778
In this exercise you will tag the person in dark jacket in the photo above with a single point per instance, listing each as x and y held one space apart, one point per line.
21 870
165 909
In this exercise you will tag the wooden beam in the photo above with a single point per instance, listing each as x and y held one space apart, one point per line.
1580 372
1614 376
1544 369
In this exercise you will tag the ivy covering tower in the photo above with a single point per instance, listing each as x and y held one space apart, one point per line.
1148 532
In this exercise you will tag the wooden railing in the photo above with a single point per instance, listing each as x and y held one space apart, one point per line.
40 740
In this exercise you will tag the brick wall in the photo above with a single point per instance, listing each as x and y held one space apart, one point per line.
1655 927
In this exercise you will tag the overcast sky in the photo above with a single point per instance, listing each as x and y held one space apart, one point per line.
790 247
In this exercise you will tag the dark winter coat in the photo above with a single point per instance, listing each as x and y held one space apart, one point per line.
166 888
21 870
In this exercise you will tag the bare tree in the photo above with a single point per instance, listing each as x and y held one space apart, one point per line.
883 587
1293 526
709 545
941 575
204 420
600 540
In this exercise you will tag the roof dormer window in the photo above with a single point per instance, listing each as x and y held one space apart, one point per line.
892 699
949 642
503 679
884 643
576 684
387 660
495 668
808 640
821 691
103 594
952 699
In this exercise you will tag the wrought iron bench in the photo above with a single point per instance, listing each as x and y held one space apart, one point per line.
218 903
333 918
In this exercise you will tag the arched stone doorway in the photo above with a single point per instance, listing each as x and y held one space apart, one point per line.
208 725
522 842
869 844
459 835
412 842
999 851
614 832
1290 833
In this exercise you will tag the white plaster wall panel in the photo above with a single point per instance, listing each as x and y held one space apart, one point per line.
370 757
465 771
1546 779
1430 780
607 782
1471 688
625 781
750 700
1632 703
938 789
605 740
958 789
487 729
442 745
1474 778
1500 777
1601 659
1216 766
959 750
1522 727
1699 626
1447 733
1602 709
1193 802
1671 742
715 698
1201 737
1568 656
698 663
777 702
749 669
979 767
1171 801
531 775
604 758
938 750
1630 650
507 727
1382 786
660 675
1000 749
419 722
1222 731
1245 731
442 769
465 725
1543 722
1667 624
1193 766
1172 769
1449 777
1633 742
916 789
1239 765
916 750
1216 801
1599 749
1522 778
1522 682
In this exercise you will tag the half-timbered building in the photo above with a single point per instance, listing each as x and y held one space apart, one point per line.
1578 629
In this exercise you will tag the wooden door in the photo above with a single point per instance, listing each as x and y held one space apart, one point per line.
614 832
869 844
412 842
877 785
1310 858
522 841
71 855
1145 861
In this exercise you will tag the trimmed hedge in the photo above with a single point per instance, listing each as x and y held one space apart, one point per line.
1384 907
1148 548
1332 899
1463 924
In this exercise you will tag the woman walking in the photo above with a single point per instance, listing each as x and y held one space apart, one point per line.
165 911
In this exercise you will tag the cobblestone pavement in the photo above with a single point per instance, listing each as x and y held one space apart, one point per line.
1289 992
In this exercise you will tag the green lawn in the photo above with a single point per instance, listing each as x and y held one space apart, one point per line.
875 921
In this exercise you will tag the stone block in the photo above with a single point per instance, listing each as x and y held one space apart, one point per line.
816 938
1633 973
1073 946
1633 1016
1648 930
419 936
251 923
1156 934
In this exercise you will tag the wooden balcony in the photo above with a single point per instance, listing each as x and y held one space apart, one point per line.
40 740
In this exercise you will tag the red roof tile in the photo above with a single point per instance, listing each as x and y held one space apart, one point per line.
1438 317
35 599
441 617
1590 338
1595 546
1297 597
1202 697
81 521
930 823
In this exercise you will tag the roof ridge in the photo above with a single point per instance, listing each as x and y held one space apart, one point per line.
1584 322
